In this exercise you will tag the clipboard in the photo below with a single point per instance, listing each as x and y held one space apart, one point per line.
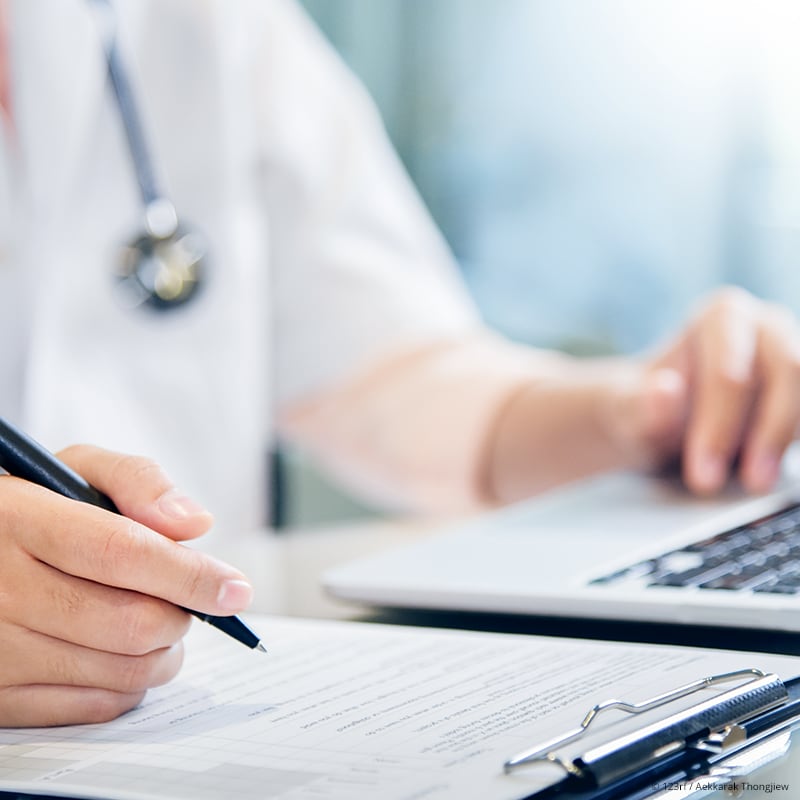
713 742
349 710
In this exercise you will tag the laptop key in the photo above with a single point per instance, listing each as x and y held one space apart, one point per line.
741 581
693 577
753 558
778 588
790 579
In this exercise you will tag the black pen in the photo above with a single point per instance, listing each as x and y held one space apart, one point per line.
24 458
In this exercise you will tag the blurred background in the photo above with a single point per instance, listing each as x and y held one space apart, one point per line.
596 165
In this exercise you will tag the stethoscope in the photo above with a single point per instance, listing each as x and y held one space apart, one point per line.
164 265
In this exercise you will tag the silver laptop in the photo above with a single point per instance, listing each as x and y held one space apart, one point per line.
620 547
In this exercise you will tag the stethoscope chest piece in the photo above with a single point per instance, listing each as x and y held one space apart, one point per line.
161 272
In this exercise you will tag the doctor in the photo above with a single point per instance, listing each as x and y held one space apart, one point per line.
328 309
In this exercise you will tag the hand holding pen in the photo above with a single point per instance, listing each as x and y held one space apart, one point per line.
90 602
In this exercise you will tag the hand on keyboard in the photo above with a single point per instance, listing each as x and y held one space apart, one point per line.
724 395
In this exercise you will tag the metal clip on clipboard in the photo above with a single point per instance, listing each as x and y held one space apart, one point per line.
686 743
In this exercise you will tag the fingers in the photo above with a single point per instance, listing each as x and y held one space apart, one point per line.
48 660
741 359
91 543
49 681
31 706
777 411
141 490
723 389
84 612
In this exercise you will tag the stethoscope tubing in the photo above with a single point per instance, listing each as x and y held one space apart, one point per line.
140 152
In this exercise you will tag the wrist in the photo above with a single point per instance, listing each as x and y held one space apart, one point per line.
565 423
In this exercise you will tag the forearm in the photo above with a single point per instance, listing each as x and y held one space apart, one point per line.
459 424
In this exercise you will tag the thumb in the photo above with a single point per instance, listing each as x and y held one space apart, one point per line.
141 490
664 407
651 415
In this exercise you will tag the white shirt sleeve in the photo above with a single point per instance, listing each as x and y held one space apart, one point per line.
358 267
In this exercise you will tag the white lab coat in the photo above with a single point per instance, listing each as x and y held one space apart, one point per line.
323 256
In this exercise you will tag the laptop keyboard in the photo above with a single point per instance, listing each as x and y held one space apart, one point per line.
762 556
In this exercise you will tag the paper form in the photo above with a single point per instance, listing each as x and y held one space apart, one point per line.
351 710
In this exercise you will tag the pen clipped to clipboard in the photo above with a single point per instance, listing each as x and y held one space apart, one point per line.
723 737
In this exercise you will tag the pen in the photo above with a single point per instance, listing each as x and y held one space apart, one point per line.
25 458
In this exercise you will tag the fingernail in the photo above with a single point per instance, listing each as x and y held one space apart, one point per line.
709 473
235 595
173 503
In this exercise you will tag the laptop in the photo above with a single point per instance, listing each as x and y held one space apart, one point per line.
618 547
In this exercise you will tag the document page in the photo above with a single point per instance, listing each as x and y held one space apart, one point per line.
352 710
